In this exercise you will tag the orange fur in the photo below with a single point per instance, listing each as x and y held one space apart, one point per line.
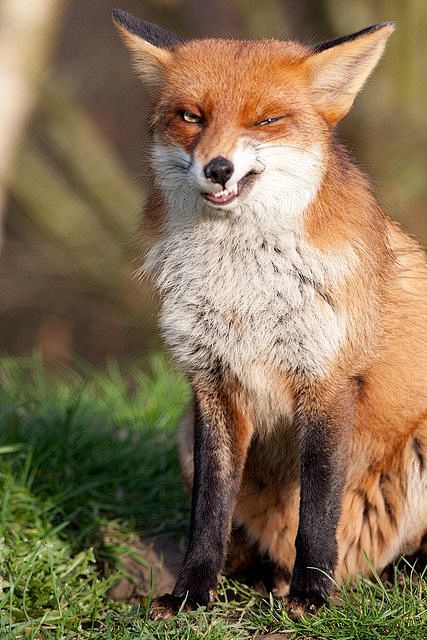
374 388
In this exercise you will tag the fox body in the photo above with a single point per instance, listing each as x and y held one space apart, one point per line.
296 308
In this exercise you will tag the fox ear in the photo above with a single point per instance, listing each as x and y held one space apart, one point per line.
149 46
339 68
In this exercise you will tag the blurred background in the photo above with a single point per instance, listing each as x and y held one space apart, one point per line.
73 151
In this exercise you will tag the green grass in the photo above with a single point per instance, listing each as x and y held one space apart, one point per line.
87 452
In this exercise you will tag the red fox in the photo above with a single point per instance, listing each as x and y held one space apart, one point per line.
294 305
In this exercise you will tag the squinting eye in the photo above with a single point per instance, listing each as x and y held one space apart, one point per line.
262 123
189 116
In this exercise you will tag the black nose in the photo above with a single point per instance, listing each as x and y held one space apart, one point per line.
219 170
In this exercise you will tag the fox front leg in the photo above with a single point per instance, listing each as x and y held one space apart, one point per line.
324 441
221 438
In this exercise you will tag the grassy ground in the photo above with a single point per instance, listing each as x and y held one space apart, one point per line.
95 452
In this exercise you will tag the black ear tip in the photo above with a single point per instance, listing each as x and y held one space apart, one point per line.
118 16
388 23
150 32
127 21
391 24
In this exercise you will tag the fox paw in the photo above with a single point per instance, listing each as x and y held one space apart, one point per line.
298 607
167 606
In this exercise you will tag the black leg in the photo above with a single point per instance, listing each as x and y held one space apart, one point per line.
324 444
221 439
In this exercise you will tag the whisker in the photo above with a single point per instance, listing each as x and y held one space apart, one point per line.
277 148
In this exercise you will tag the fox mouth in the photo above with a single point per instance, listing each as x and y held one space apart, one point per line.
228 195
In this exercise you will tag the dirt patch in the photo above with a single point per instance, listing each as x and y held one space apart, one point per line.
150 565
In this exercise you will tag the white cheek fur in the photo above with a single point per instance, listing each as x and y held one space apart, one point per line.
288 177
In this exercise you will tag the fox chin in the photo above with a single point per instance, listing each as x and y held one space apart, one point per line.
296 308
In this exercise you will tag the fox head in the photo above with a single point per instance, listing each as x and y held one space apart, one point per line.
245 125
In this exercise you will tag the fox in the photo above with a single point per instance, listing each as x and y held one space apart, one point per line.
296 308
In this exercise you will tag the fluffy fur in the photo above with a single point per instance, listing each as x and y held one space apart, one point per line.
297 309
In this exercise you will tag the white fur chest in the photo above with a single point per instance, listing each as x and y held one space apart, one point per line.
243 296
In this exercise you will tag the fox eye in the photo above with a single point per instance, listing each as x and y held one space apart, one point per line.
262 123
190 117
